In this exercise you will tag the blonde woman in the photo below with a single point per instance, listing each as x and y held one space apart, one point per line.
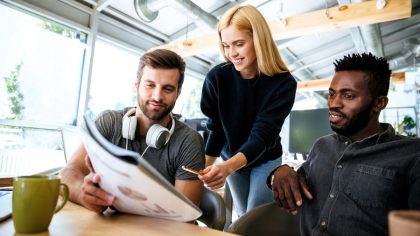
246 100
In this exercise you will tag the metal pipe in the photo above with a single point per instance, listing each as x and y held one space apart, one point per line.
148 11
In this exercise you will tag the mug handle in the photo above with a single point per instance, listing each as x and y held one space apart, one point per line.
64 198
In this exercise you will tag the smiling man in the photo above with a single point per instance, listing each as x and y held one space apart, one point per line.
159 81
354 178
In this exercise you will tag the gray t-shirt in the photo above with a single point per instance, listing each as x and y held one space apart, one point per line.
185 146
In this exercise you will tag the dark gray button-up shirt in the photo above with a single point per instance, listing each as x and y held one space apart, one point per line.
356 184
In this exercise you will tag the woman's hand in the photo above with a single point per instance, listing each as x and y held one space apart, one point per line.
214 176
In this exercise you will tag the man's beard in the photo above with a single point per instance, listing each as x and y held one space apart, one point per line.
355 123
156 116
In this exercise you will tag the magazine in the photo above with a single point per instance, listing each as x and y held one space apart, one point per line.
138 187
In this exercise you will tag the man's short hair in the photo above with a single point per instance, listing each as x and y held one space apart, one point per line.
376 69
162 59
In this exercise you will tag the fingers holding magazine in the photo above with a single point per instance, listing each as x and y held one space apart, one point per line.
89 164
128 182
92 196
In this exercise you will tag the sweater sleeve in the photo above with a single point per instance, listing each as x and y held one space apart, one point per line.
269 121
209 106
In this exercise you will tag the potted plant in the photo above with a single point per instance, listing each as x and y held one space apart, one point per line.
408 124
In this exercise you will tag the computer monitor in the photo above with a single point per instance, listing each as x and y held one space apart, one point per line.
198 124
306 126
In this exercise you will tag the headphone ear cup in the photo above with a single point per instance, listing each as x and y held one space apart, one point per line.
157 136
129 127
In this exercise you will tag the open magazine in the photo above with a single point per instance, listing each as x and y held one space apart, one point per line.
138 187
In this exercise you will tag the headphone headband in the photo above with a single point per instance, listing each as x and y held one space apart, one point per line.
157 136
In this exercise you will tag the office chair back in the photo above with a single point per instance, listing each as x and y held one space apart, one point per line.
213 208
267 220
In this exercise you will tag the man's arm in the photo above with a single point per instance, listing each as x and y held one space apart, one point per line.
83 183
287 187
191 189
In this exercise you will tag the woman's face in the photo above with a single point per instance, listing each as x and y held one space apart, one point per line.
239 49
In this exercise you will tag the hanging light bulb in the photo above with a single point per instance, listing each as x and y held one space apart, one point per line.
380 4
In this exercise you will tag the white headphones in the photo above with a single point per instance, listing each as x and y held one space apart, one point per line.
157 135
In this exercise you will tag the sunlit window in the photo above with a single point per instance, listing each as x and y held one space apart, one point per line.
113 77
40 72
188 103
40 68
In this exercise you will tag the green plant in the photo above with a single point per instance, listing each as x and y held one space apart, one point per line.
59 29
408 123
14 95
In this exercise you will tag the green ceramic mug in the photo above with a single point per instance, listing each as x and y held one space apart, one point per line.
35 202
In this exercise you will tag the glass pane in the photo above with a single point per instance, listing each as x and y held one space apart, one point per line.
113 77
28 150
403 119
188 103
40 68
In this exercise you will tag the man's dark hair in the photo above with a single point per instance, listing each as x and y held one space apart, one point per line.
162 59
376 69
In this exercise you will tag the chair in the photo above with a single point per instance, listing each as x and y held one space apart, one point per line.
213 208
267 220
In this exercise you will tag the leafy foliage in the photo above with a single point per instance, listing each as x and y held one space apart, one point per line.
14 95
59 29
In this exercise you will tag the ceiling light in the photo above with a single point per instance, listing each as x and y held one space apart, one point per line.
380 4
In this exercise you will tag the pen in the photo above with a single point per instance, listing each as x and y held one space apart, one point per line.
197 172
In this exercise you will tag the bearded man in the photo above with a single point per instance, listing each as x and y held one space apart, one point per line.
159 81
354 178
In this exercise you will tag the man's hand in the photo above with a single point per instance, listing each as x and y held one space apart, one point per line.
91 196
287 186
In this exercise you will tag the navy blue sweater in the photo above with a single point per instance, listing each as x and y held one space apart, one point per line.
246 115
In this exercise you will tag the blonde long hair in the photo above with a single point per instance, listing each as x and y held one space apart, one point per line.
249 20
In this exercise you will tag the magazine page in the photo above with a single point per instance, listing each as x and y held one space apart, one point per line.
137 186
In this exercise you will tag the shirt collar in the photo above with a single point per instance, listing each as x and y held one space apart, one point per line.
374 139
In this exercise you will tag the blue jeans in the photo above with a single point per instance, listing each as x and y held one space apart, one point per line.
248 187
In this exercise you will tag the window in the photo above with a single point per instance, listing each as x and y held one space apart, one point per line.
28 150
40 68
188 103
113 77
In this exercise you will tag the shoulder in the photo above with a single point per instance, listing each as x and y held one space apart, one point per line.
325 141
220 69
285 78
280 85
110 115
410 143
187 141
183 131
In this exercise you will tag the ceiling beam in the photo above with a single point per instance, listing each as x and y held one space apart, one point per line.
324 84
340 17
102 4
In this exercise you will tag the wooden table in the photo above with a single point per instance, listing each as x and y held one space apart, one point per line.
75 220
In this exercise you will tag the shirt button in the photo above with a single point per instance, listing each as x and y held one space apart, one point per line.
346 143
332 195
340 167
323 223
